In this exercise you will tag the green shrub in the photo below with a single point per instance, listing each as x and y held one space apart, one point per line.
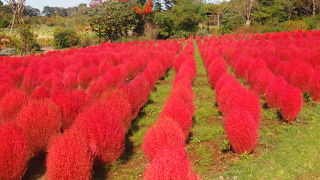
64 38
4 23
313 22
25 41
295 25
247 30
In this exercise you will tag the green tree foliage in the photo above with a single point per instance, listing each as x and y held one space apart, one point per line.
271 11
50 11
181 21
113 19
231 17
31 12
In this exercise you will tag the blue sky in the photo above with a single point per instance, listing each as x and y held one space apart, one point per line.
55 3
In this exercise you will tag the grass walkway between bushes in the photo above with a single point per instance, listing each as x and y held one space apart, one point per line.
285 151
133 162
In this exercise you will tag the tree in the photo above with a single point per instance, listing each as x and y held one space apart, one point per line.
246 7
181 21
271 11
50 11
30 11
113 19
17 8
309 6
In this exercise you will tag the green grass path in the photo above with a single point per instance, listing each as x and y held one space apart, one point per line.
207 131
132 167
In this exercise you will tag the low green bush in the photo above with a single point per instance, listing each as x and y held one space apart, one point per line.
64 38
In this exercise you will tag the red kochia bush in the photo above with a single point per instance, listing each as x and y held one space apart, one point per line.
301 76
260 80
40 120
70 81
215 71
170 164
253 67
291 103
102 129
179 112
222 81
164 134
184 93
41 92
244 100
231 86
314 86
117 101
241 130
11 104
71 104
69 158
84 78
242 64
13 152
274 92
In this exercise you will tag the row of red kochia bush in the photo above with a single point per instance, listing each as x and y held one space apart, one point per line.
293 55
240 107
268 79
164 142
29 123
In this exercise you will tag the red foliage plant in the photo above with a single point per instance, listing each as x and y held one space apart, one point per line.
118 102
241 65
215 71
170 164
241 131
274 92
165 134
69 157
301 76
291 103
41 92
179 112
103 129
40 120
260 80
84 78
13 152
253 67
11 104
314 86
245 100
184 93
70 81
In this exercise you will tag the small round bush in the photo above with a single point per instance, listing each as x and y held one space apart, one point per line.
69 157
11 104
170 164
40 120
164 134
241 130
291 103
64 38
102 129
13 152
